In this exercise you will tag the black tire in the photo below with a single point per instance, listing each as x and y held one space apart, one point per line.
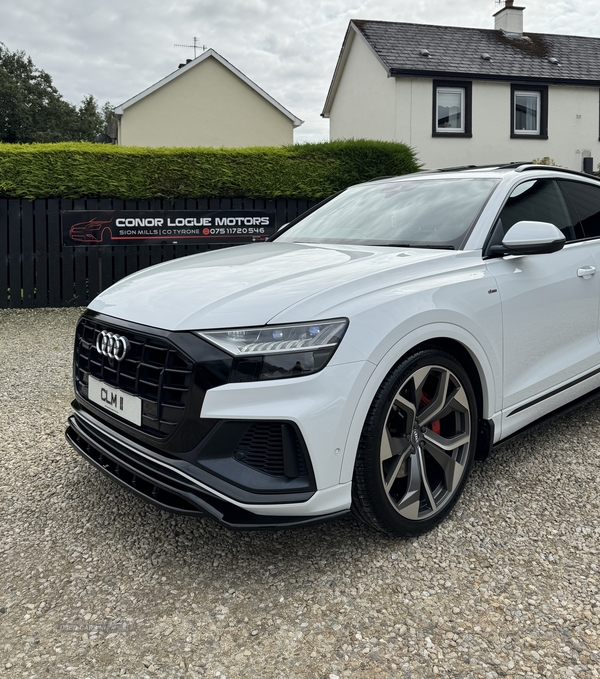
411 467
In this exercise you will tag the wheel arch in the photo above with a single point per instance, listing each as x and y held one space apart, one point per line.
485 427
462 355
454 341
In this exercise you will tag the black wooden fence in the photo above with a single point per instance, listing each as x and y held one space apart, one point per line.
36 270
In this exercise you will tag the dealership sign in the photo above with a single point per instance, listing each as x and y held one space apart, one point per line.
147 227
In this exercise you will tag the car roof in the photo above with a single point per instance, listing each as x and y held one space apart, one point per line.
493 171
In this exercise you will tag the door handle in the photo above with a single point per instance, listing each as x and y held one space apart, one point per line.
586 271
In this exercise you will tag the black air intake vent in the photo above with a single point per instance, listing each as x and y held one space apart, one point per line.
272 448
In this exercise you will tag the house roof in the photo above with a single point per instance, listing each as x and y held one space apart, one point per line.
456 53
192 64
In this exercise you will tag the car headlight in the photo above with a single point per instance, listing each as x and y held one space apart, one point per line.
278 351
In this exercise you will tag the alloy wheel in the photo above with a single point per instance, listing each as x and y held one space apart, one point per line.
426 442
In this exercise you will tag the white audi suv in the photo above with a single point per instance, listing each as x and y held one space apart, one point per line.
357 361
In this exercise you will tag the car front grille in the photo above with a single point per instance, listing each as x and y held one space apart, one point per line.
154 370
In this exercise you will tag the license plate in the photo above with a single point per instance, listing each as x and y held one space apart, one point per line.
115 401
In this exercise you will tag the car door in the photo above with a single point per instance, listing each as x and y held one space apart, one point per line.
549 306
585 199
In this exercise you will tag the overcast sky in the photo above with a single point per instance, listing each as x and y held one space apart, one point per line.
114 49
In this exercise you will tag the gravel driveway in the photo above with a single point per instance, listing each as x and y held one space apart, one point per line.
95 583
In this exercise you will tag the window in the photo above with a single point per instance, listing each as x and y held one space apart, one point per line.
415 213
536 200
529 112
451 109
586 199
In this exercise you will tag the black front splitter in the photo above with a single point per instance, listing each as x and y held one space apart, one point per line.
173 493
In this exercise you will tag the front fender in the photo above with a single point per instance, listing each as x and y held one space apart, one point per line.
488 367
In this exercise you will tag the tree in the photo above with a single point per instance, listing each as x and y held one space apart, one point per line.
32 109
90 119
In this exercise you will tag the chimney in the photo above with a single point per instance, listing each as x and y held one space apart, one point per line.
509 19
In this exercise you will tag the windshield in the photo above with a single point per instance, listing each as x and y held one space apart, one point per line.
421 213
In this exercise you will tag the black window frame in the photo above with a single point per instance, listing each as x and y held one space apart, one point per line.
543 91
465 85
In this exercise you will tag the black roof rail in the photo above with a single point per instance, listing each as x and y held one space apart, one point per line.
515 164
497 166
457 168
531 166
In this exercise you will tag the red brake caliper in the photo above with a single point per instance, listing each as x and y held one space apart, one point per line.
434 426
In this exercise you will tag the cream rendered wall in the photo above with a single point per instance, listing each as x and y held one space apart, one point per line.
206 106
573 126
365 101
370 105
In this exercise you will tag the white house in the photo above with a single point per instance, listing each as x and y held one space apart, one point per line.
464 96
205 102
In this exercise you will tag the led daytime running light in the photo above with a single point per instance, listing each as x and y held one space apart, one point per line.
276 347
278 339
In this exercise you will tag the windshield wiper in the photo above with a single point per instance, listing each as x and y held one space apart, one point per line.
412 245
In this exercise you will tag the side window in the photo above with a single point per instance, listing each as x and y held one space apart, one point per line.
586 198
537 200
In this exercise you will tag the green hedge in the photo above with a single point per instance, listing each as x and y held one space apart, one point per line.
311 171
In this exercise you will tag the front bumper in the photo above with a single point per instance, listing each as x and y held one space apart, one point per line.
173 484
249 454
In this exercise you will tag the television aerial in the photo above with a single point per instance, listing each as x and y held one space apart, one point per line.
195 46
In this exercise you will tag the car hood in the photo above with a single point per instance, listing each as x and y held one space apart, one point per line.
253 284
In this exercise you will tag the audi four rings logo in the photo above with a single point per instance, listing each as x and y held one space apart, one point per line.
112 346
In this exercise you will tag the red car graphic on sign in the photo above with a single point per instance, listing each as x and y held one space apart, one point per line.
92 231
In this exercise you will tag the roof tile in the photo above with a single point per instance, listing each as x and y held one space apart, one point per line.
458 51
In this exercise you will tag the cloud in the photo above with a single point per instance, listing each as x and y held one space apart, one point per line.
116 49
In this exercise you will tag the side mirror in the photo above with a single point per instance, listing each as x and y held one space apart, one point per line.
530 238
